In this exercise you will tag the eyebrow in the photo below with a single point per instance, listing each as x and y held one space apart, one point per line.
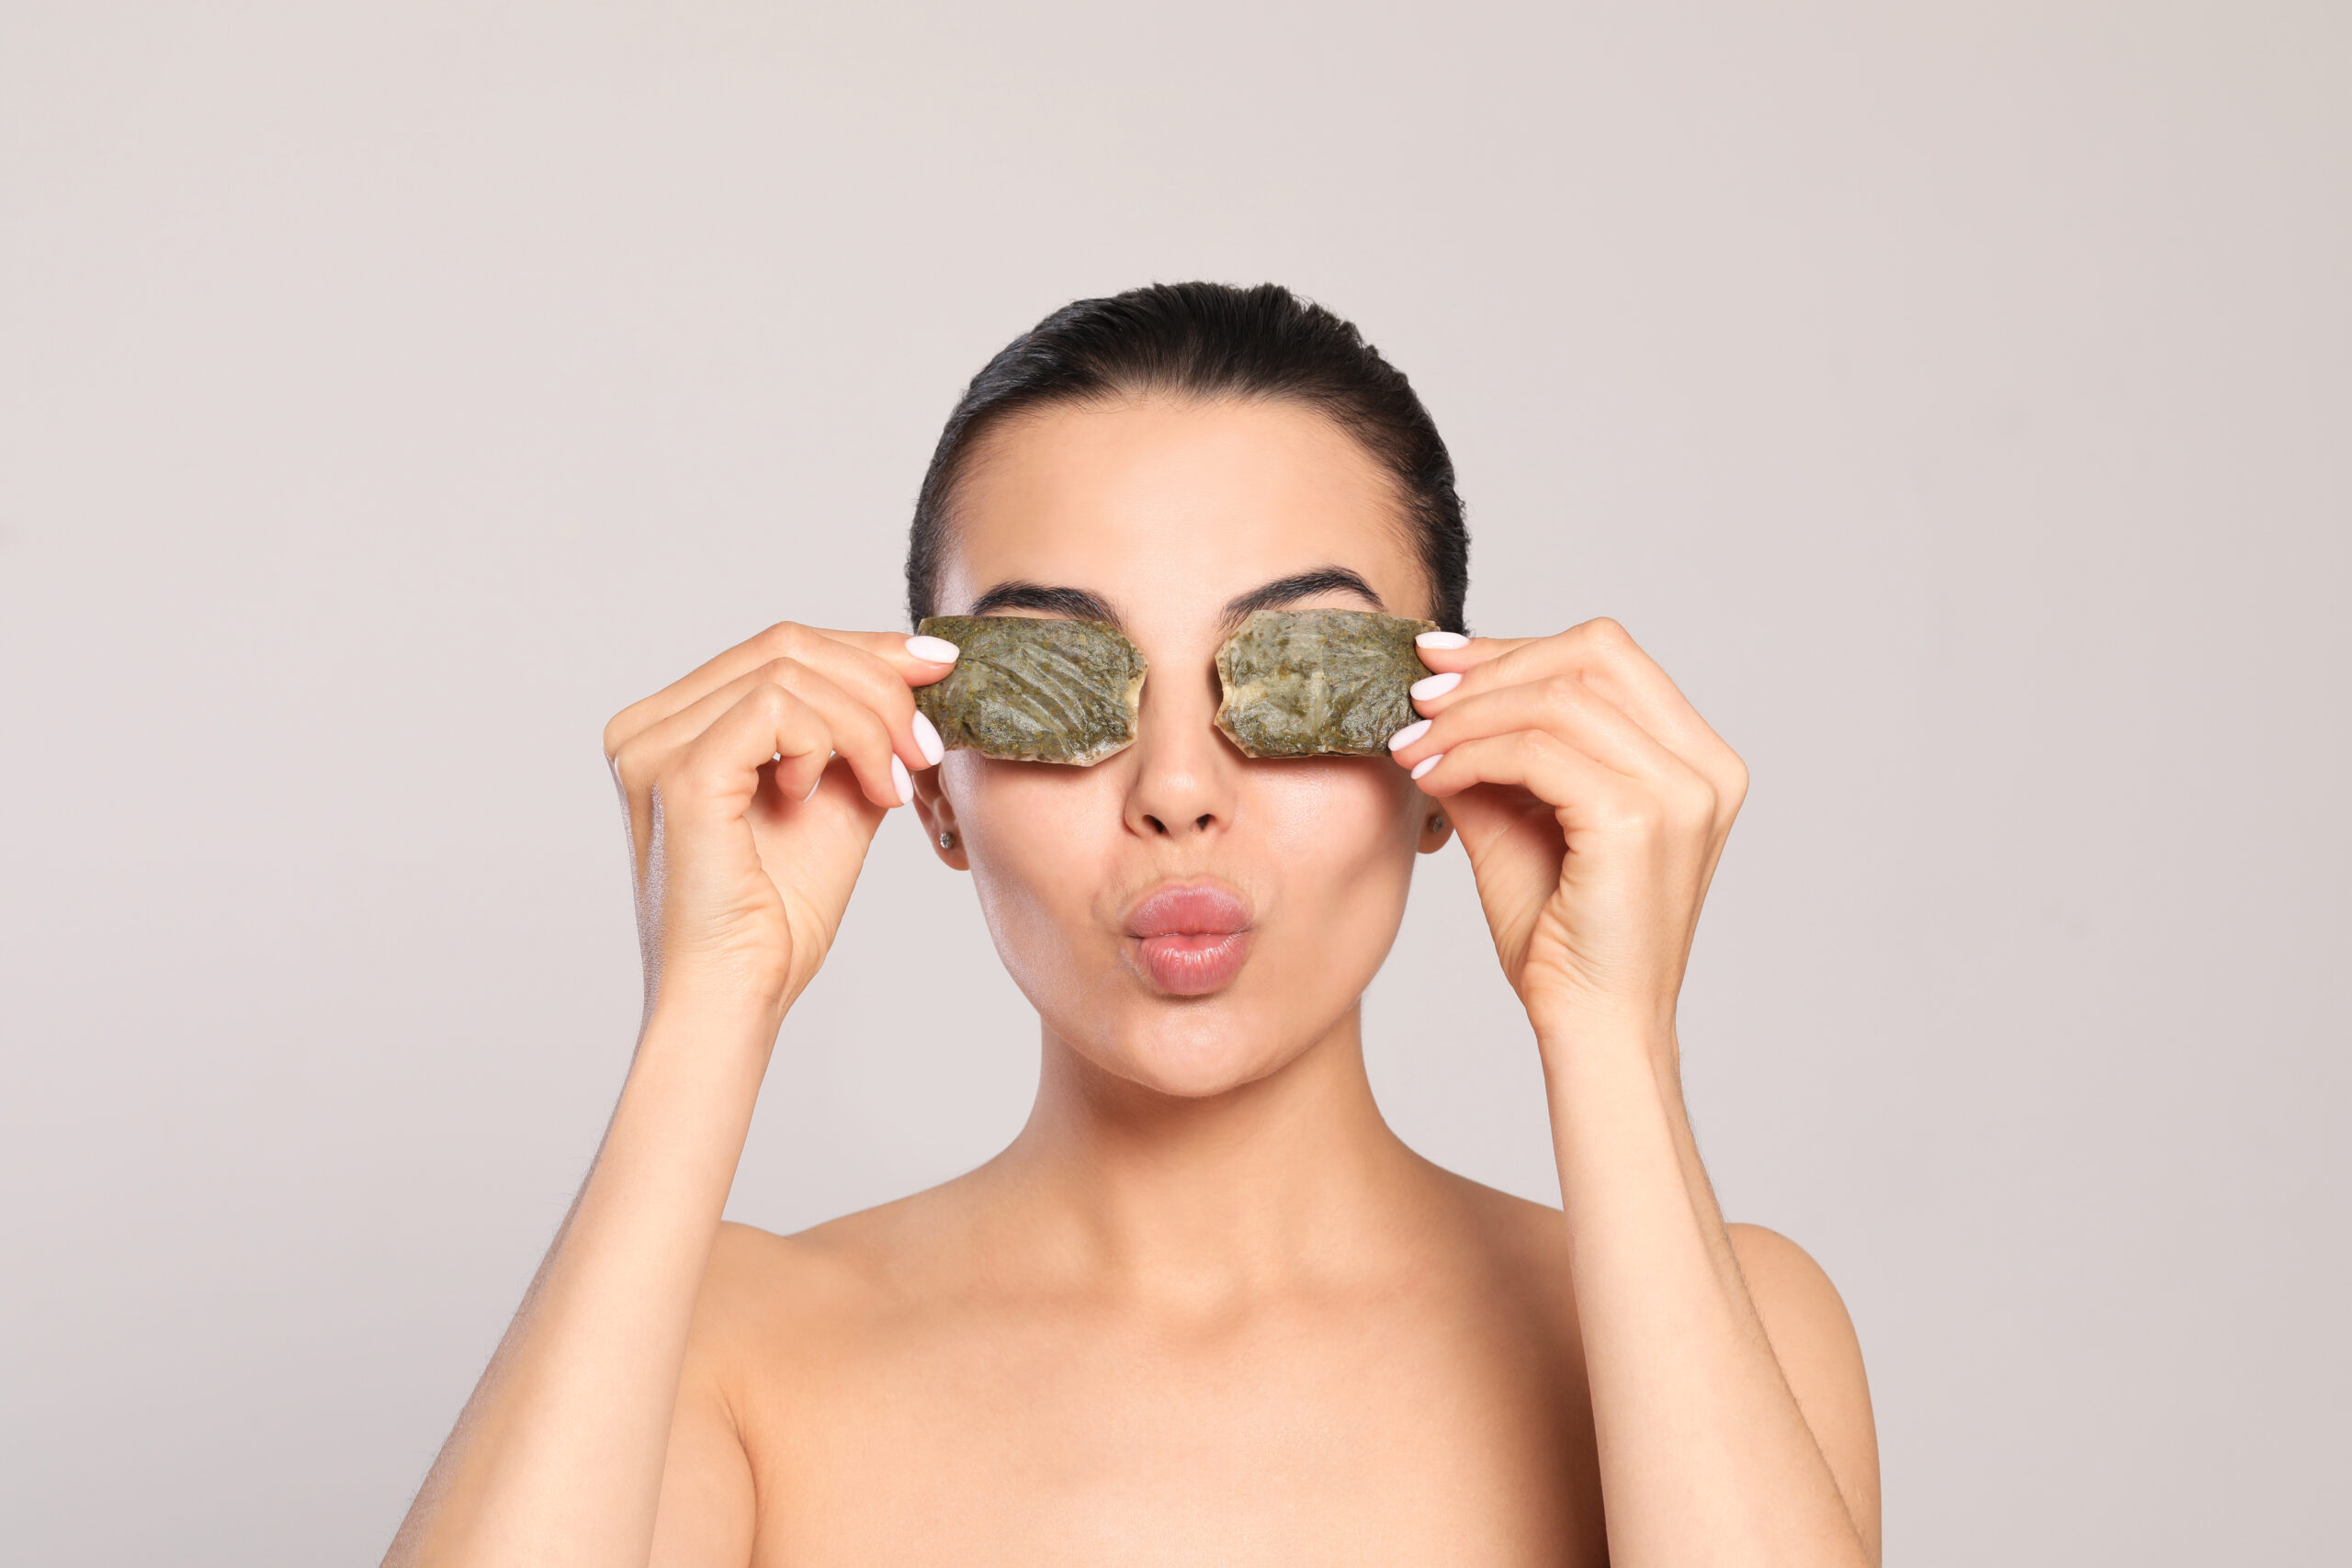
1079 604
1075 602
1300 585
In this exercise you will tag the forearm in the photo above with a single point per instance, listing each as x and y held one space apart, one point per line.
558 1455
1704 1454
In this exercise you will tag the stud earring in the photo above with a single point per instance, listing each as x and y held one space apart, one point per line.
947 840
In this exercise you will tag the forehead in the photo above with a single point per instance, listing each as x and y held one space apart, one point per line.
1169 508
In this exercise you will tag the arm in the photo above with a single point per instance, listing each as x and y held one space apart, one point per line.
1733 1420
753 789
1728 1402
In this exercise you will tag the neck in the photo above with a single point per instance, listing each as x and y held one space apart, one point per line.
1294 1174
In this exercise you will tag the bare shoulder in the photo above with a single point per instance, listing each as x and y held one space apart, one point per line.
1802 1314
1814 1340
1527 1241
1791 1291
1509 1219
841 1272
1524 1248
777 1319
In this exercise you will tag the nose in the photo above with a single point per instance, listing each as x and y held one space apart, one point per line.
1182 786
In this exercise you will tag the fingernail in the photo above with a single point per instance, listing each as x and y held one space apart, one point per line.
927 739
899 782
813 789
1422 769
1442 640
1409 734
1436 685
932 649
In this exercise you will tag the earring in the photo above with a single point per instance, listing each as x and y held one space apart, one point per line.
1437 822
947 840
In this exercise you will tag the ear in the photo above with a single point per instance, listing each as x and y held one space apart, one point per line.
937 815
1435 829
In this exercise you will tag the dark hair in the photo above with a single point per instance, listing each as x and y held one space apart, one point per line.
1208 340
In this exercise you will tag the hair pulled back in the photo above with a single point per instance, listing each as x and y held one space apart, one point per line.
1208 340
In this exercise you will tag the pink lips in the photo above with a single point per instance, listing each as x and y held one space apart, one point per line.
1191 940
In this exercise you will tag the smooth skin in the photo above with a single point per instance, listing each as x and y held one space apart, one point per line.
1206 1307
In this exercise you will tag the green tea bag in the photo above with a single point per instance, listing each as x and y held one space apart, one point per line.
1318 683
1035 691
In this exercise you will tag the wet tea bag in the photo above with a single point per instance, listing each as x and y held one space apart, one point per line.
1035 691
1318 683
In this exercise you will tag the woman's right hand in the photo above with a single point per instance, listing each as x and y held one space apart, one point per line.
752 788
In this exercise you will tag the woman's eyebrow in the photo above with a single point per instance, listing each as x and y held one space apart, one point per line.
1076 603
1300 585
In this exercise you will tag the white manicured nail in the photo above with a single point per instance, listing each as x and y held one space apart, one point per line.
1436 685
927 739
932 649
899 782
1422 769
814 789
1409 734
1442 640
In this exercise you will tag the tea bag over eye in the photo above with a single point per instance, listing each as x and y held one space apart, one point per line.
1318 683
1035 691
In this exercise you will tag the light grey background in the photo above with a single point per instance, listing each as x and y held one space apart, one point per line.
1955 398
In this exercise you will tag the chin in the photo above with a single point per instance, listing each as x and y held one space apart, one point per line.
1190 1048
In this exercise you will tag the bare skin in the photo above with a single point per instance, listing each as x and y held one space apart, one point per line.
1206 1307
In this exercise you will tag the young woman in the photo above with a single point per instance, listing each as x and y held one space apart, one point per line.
1207 1308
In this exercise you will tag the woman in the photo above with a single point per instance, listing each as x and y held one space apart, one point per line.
1206 1307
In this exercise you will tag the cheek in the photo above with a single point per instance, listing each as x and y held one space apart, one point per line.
1042 840
1340 839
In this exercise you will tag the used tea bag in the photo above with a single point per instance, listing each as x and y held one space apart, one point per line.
1318 683
1035 691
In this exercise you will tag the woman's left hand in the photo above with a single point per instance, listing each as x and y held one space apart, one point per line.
1593 801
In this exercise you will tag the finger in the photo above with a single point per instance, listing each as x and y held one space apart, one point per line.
1581 790
879 665
646 759
854 730
1564 708
715 775
881 668
1490 662
1458 651
1605 655
859 737
919 659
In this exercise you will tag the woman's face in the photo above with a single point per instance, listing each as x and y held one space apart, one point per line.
1180 915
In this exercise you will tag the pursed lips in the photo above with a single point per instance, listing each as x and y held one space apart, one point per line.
1191 940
